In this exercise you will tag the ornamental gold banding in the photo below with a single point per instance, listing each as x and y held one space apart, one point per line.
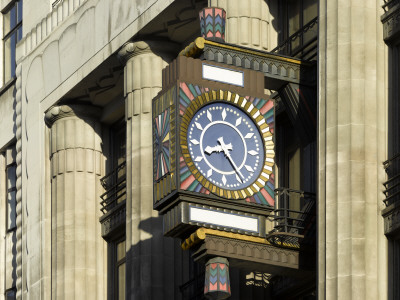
260 122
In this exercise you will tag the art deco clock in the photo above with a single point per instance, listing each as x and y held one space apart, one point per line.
213 147
225 146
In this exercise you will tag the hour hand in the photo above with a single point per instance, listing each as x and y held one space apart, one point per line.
218 148
210 149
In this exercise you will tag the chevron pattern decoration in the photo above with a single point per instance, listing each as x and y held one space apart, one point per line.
212 23
217 284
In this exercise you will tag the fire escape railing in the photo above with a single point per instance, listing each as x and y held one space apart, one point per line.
115 185
388 4
392 185
291 225
193 289
307 48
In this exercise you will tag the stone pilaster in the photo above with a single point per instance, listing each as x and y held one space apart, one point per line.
248 23
149 254
352 248
78 251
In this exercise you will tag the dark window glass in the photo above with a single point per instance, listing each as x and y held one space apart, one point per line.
294 16
11 189
119 270
12 28
11 295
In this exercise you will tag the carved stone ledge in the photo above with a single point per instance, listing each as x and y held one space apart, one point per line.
391 24
63 111
112 222
391 216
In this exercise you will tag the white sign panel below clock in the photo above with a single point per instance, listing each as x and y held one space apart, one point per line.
223 219
223 75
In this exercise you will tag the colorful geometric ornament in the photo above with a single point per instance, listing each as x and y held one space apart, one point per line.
216 283
262 190
212 23
162 144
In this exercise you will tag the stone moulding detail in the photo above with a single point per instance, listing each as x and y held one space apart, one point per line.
133 48
63 111
110 222
391 24
61 11
392 220
19 221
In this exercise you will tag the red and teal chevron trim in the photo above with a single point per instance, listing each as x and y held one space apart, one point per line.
189 93
216 282
212 23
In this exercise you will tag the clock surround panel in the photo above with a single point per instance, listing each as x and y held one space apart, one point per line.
184 97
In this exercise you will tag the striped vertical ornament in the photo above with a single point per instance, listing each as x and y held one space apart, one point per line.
212 23
216 284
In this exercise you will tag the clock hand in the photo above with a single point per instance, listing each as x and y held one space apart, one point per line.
210 150
225 148
217 149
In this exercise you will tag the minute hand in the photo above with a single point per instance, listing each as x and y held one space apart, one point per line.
226 149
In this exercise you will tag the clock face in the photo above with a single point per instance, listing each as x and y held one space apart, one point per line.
225 145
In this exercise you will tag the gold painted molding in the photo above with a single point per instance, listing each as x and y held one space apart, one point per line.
197 47
201 233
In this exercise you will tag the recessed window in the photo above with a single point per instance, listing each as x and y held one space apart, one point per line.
119 270
12 28
11 189
11 294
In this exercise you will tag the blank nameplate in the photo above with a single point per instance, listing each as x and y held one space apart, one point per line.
223 219
223 75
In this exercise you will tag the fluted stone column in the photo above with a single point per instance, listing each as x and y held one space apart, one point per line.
150 266
352 145
249 23
78 251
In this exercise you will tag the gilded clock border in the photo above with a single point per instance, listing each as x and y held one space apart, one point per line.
255 114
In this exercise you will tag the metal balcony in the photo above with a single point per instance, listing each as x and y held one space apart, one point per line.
293 225
115 185
392 185
391 213
388 4
302 44
113 201
193 289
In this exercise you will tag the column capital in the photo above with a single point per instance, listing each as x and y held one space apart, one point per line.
72 110
133 48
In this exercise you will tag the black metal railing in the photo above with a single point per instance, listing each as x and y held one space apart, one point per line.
392 185
115 185
293 215
388 4
301 44
193 289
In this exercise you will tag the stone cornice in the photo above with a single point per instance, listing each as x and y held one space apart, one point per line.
391 24
63 111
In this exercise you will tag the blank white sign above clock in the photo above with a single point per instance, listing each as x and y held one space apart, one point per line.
223 75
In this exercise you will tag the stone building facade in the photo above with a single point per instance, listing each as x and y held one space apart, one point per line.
76 167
